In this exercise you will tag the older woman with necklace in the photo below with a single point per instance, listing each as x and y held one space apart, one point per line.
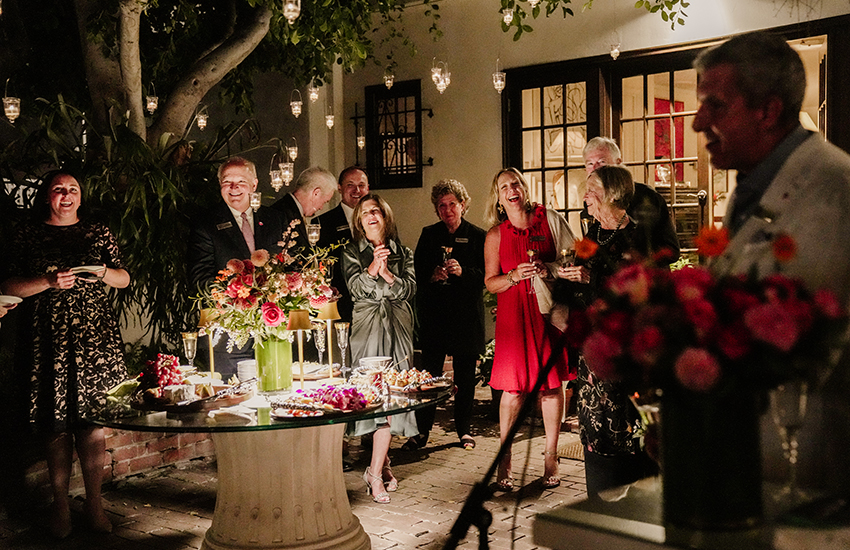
607 419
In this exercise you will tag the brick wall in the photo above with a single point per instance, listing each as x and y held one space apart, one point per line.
131 452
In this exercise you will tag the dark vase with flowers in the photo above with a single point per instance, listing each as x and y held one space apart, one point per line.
711 461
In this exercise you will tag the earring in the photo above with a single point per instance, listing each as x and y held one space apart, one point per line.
499 208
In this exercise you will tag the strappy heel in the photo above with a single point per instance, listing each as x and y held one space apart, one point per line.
552 481
381 498
392 482
505 481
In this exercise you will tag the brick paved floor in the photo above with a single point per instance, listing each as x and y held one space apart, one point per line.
171 508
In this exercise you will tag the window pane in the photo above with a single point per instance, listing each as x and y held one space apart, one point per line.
536 184
531 107
633 97
531 149
553 105
554 147
659 139
576 103
576 140
555 189
658 89
576 187
685 86
631 141
691 145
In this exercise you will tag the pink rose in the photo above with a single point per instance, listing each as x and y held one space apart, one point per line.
260 257
234 288
827 303
600 351
697 369
272 314
691 283
772 323
632 281
247 266
618 325
647 345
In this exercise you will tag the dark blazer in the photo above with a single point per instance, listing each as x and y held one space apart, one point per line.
451 316
215 238
334 230
289 209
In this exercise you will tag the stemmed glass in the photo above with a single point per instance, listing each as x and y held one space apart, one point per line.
788 403
447 255
319 339
190 346
313 230
532 255
568 256
342 342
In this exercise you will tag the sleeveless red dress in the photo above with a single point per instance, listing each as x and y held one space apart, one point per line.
524 339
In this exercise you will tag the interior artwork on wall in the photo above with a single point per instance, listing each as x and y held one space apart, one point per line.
662 136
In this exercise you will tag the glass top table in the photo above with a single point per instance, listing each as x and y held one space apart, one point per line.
280 485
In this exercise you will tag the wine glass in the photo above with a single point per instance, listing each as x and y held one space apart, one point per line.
342 342
532 256
788 403
568 256
190 346
313 230
319 339
447 255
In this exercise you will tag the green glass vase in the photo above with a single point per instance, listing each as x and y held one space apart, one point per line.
274 364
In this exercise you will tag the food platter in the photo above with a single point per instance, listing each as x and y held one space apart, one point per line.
284 413
199 405
422 388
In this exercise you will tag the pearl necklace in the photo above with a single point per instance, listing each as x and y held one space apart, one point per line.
610 237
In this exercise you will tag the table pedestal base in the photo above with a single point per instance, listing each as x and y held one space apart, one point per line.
283 489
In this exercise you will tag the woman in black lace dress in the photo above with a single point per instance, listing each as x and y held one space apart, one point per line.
76 349
607 418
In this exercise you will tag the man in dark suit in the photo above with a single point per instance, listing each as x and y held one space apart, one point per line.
647 208
231 229
336 227
313 189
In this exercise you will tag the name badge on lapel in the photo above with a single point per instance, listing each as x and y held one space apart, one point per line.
342 228
461 240
225 225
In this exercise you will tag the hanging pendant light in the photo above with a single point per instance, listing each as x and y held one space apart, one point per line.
499 78
151 101
291 10
275 177
292 148
313 91
287 172
329 117
441 76
295 104
389 78
361 139
202 117
11 104
508 16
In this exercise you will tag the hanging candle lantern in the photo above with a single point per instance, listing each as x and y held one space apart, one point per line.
498 78
533 3
276 180
508 16
295 104
256 200
292 148
291 10
12 108
203 117
361 139
329 117
151 103
389 78
313 91
287 172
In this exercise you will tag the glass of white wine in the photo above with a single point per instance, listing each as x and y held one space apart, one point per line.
190 346
342 342
313 231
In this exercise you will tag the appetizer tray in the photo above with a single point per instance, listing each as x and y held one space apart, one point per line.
199 405
284 412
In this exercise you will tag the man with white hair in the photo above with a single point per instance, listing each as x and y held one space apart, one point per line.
647 207
313 189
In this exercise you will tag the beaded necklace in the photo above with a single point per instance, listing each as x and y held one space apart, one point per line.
611 236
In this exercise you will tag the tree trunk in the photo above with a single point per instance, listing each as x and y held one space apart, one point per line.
177 113
130 61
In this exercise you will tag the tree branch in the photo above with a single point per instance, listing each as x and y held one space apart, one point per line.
130 62
208 71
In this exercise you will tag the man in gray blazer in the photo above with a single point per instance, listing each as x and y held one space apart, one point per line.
790 181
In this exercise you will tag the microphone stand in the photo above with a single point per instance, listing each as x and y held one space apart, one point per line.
473 511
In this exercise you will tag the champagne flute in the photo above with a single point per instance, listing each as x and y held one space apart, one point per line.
313 230
788 404
319 339
532 255
190 346
568 256
342 342
447 255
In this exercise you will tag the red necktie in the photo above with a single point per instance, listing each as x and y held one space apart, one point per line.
247 232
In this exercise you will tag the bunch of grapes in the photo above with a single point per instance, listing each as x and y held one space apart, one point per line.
160 373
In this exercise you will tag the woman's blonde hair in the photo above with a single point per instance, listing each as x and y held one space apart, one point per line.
450 187
492 212
390 230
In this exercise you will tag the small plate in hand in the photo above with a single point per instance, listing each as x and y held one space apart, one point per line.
6 300
87 269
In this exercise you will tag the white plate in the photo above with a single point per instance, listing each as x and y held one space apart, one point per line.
6 300
87 269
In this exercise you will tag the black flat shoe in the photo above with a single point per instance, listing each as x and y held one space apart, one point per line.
415 443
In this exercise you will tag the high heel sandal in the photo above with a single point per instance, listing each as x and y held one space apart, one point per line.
552 481
382 497
504 480
392 482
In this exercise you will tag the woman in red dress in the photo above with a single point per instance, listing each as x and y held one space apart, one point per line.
517 250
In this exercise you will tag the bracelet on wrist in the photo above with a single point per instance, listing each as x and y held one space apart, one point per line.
510 278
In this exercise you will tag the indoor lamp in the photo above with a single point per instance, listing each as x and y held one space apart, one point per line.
299 321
